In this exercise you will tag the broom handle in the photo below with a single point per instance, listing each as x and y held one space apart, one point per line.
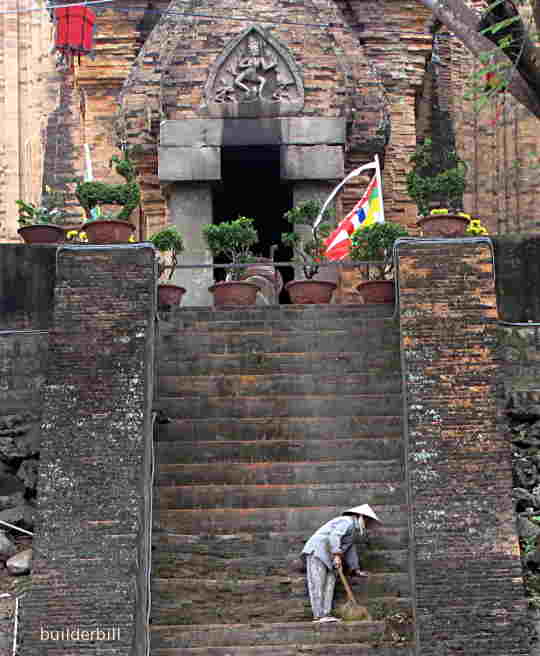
346 585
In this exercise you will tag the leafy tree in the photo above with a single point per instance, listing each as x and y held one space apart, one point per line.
502 42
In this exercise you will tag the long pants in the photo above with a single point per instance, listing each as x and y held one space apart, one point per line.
321 583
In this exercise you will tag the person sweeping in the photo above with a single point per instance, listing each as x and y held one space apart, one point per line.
326 550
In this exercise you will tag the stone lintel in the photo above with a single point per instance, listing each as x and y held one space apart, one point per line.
177 164
253 132
312 163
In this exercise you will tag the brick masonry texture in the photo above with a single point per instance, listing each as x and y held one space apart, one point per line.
91 551
468 583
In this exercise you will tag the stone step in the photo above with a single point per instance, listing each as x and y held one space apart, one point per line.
328 649
260 451
249 635
375 382
234 558
354 339
280 428
279 473
214 601
279 406
276 496
262 324
333 362
285 545
276 312
268 520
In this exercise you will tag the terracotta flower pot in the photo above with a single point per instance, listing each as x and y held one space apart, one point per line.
234 292
42 233
377 291
443 225
170 295
308 292
108 231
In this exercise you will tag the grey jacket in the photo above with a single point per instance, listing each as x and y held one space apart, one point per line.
336 537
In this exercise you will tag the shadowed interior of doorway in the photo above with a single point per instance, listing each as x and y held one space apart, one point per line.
251 186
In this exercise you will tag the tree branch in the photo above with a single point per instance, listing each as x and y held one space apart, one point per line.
535 4
463 21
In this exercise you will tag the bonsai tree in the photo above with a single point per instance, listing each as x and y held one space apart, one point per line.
50 210
232 239
91 194
309 252
375 242
426 186
168 240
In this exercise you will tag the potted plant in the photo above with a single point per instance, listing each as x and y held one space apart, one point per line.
168 240
438 182
376 242
110 228
233 239
309 248
37 223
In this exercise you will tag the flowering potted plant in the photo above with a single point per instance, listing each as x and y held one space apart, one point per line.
37 223
475 228
234 240
376 242
309 249
435 181
108 228
168 240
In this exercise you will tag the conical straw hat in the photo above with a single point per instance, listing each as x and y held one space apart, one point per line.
364 510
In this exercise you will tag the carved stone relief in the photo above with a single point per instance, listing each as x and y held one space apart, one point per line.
254 76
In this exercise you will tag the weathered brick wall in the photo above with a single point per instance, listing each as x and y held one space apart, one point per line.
468 583
27 94
90 548
27 277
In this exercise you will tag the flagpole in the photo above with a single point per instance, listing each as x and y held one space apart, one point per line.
352 174
379 183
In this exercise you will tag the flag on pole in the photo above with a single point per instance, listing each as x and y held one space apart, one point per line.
368 210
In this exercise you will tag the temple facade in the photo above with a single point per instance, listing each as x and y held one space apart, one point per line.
231 110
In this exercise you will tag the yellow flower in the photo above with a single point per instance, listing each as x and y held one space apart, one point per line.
132 239
83 236
72 233
465 216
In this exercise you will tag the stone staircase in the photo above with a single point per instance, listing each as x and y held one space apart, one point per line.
280 417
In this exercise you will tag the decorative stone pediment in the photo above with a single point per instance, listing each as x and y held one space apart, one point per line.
254 76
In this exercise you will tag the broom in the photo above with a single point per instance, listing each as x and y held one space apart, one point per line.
351 610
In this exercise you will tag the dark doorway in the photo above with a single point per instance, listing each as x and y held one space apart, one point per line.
251 186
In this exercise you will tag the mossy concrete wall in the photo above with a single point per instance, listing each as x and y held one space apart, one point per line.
27 277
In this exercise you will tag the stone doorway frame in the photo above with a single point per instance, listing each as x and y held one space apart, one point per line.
189 162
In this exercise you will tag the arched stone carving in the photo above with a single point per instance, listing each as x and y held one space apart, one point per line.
254 76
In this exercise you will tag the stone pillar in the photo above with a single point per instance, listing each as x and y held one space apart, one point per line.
92 548
468 589
190 208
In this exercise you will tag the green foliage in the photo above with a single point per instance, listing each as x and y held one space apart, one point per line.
307 212
375 242
168 240
49 211
91 194
309 253
232 239
447 186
